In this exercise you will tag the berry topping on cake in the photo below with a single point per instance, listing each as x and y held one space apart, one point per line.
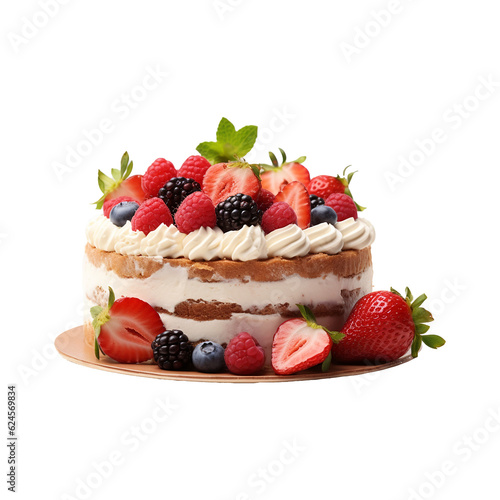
227 179
123 212
237 211
315 201
322 214
244 355
275 176
120 184
196 211
264 199
382 327
125 329
175 190
150 215
208 357
343 205
172 350
295 194
108 205
280 215
301 343
157 175
195 167
324 185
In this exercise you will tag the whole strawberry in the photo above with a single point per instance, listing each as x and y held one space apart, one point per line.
382 327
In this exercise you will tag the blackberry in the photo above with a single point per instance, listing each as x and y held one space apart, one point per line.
175 190
172 350
237 211
316 201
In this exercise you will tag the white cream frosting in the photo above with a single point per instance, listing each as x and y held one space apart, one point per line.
204 244
357 234
248 243
102 233
324 238
164 241
288 242
129 241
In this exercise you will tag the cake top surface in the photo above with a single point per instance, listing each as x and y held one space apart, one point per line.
218 206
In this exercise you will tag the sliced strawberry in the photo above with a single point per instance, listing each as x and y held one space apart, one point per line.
276 176
298 346
125 329
295 194
227 179
130 187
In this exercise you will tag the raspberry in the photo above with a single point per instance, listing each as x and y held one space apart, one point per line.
195 168
343 205
244 355
108 205
280 214
197 210
150 215
264 199
157 174
237 211
324 185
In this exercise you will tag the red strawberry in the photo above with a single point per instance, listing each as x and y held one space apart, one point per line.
381 328
150 215
301 343
157 175
264 199
324 185
195 211
275 176
108 205
227 179
343 205
125 329
195 167
120 184
280 214
295 194
244 355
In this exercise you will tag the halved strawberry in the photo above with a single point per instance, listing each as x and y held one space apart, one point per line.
120 184
227 179
301 343
275 176
296 195
125 329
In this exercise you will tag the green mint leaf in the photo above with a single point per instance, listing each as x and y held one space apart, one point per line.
325 366
225 131
433 341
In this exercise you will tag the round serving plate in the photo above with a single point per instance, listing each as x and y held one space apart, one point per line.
71 346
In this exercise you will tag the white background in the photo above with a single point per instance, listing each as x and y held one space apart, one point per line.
305 73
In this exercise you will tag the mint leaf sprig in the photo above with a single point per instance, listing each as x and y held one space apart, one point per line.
231 145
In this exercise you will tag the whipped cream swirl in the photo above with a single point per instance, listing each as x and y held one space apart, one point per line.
357 234
129 242
164 241
288 242
324 238
248 243
204 244
103 234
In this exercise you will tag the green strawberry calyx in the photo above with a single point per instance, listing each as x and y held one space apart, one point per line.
231 144
277 166
100 316
311 322
420 317
241 163
109 184
345 181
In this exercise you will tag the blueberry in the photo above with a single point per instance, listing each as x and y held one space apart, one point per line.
122 212
208 357
322 213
